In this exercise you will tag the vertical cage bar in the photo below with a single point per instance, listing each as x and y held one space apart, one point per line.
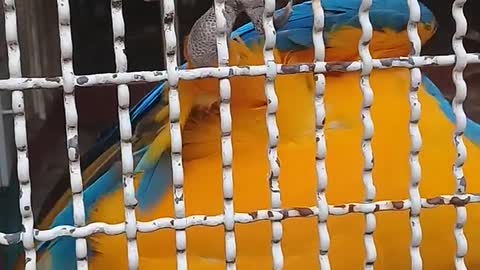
321 147
415 138
226 137
71 129
123 93
460 125
20 132
272 128
175 131
367 93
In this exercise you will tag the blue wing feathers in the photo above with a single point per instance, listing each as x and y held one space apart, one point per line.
472 131
111 135
155 181
106 184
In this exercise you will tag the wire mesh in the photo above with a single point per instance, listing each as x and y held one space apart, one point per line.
69 81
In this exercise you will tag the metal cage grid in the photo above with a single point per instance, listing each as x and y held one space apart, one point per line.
70 82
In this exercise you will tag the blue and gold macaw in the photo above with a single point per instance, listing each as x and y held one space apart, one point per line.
296 121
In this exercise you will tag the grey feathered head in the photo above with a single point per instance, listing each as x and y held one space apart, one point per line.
202 44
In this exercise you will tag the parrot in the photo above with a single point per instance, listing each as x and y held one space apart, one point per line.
343 130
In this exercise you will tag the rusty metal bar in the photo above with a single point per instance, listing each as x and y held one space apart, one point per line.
226 138
244 218
415 138
232 71
460 125
321 147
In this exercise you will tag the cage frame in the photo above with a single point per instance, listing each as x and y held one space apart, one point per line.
70 82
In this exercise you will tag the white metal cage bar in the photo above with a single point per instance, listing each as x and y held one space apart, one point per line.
366 146
71 128
242 218
415 138
175 131
272 129
460 125
226 138
20 130
232 71
321 147
123 93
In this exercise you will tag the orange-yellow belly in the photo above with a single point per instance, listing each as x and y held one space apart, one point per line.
298 184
